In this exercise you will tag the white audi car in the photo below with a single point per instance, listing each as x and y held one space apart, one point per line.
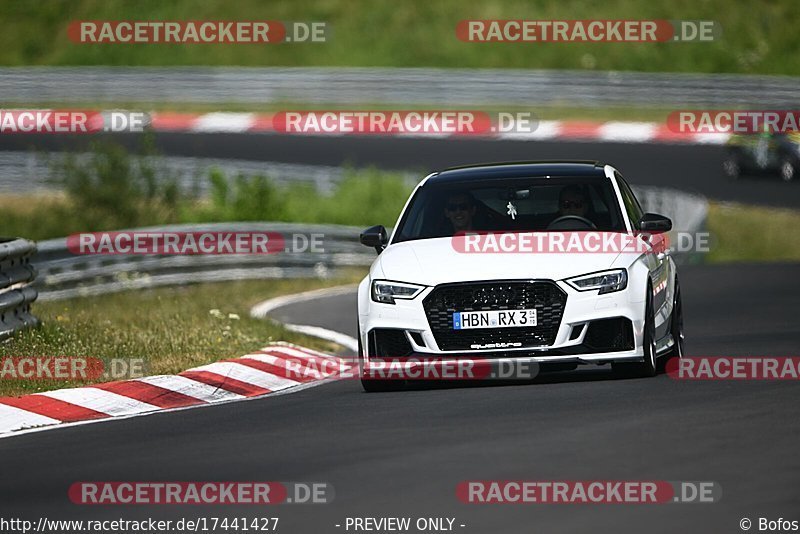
550 263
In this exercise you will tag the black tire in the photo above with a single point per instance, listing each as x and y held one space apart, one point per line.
675 328
788 170
648 367
372 385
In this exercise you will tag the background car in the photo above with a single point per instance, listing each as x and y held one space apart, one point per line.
765 153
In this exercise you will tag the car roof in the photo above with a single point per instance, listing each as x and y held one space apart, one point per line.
520 169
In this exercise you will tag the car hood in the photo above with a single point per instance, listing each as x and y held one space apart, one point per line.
435 261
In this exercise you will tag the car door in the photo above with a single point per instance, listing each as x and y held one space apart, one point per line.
657 260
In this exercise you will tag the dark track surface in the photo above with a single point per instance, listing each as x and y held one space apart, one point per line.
694 168
402 454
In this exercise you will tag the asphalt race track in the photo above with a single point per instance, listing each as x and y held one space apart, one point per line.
694 168
402 454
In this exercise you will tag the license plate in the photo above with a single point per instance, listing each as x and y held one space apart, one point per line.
494 319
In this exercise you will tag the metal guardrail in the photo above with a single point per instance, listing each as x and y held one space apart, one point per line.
393 86
16 292
688 212
63 274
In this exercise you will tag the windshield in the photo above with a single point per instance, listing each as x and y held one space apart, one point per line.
515 205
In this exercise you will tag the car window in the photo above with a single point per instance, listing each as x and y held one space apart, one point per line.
511 205
632 205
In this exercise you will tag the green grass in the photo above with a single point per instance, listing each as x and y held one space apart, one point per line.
172 329
752 233
32 216
758 36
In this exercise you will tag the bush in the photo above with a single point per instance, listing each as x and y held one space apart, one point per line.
253 198
110 189
257 198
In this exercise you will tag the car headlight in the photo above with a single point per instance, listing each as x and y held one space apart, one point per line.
386 292
606 281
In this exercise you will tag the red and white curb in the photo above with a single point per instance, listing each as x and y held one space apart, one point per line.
612 131
277 368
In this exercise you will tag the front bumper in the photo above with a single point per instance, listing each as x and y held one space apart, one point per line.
578 339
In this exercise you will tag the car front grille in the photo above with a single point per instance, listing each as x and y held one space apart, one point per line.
545 296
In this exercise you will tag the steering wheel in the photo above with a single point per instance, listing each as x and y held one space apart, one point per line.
564 223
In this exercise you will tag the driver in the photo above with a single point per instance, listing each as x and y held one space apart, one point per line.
573 201
459 209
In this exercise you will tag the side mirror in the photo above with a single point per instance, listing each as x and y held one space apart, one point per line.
653 222
375 237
